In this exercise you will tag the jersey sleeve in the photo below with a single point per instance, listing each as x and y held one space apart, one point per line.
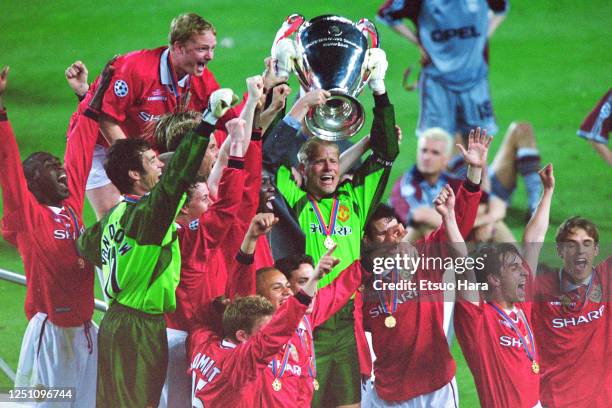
399 203
78 157
242 276
468 319
122 92
19 205
334 296
392 12
466 206
253 356
223 212
152 217
370 179
288 187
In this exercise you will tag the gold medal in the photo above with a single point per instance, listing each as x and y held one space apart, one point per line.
535 367
329 243
315 384
390 321
276 385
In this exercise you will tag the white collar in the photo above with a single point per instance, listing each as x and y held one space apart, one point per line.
165 75
228 344
56 210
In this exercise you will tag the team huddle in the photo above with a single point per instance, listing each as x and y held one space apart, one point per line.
242 257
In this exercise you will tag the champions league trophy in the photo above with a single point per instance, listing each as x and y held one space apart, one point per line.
329 53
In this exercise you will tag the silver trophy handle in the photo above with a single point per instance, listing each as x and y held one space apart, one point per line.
368 29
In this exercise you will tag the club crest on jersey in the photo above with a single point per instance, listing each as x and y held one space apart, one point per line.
343 213
194 225
121 88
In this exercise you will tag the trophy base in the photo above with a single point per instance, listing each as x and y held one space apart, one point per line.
340 118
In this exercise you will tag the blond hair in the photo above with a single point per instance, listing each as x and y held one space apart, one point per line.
243 313
310 148
440 135
172 127
184 25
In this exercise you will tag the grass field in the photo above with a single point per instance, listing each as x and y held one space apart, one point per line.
548 66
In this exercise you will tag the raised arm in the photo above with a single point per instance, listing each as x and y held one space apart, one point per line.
76 76
242 279
535 231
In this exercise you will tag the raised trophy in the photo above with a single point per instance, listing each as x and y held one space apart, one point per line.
329 54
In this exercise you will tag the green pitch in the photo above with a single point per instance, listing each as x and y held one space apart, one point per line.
549 65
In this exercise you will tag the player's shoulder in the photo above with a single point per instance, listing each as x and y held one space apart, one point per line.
141 61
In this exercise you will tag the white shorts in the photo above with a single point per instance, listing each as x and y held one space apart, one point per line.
56 356
177 388
97 175
445 397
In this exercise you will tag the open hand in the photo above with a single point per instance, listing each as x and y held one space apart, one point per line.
478 148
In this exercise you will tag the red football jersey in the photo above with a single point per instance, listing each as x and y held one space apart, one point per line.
413 357
197 239
228 375
502 370
575 340
59 282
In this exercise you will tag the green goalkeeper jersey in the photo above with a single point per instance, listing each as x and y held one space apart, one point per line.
357 198
136 243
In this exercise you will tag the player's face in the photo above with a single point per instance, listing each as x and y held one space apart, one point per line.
322 173
52 181
274 287
200 201
152 170
210 157
299 278
578 252
197 52
266 195
380 227
513 278
431 157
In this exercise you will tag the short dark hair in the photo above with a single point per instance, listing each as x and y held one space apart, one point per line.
199 179
125 155
492 256
243 313
292 262
382 211
576 222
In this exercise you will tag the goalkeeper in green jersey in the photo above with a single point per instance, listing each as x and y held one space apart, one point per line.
137 248
331 212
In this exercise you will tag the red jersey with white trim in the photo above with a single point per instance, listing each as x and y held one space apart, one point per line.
142 91
413 358
575 340
196 240
496 356
228 375
59 282
297 381
597 124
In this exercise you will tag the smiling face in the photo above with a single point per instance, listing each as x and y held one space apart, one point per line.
273 285
192 56
267 193
152 170
199 201
578 250
322 171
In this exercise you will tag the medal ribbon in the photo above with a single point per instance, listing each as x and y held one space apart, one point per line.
131 198
75 223
586 293
381 297
332 218
181 98
308 343
520 315
283 364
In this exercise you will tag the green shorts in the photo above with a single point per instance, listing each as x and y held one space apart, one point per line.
337 361
132 358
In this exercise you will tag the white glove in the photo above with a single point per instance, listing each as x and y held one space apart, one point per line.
285 53
218 104
376 63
